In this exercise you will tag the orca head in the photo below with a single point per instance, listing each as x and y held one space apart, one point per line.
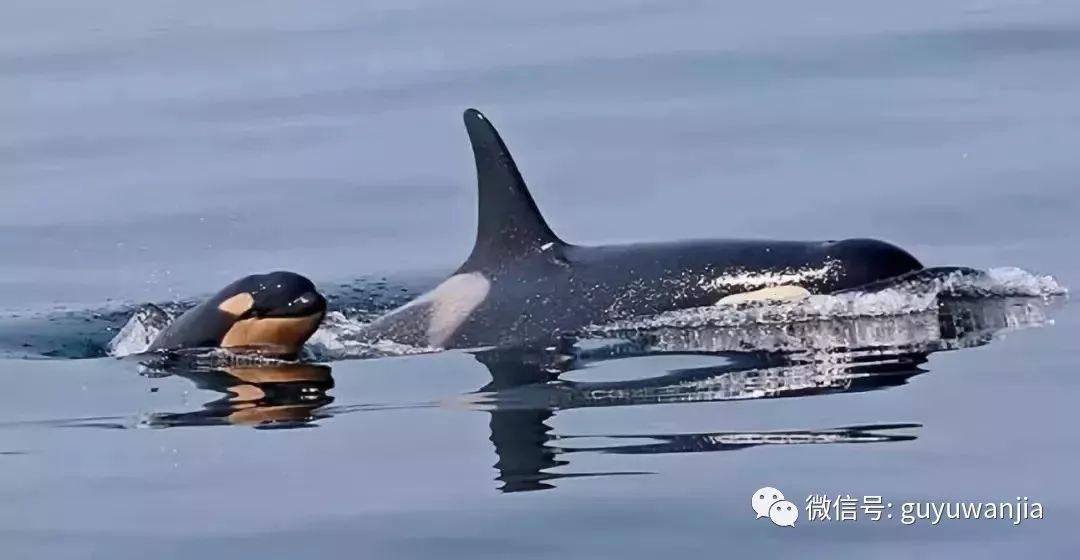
279 310
865 261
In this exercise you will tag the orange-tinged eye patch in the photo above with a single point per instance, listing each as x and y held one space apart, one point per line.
237 305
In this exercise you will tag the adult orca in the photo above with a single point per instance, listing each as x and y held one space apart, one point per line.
273 313
523 283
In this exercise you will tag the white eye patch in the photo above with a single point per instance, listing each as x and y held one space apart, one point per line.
238 304
775 293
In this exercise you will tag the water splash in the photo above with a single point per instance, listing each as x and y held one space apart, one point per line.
139 332
919 293
1017 282
341 337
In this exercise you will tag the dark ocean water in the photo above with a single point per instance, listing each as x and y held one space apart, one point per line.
152 151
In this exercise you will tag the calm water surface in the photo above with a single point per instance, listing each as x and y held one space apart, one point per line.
155 150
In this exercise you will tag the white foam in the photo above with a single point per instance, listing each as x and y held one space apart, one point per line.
905 298
1017 282
341 337
139 332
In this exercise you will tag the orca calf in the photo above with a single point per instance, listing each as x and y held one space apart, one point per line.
272 313
522 283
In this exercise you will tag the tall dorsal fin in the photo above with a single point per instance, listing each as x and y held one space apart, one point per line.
509 223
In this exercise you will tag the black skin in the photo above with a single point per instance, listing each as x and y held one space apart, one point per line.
541 285
276 294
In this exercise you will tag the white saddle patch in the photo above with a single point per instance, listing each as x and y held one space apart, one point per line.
451 304
775 293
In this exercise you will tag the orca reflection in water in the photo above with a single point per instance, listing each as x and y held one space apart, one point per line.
528 386
521 283
808 359
265 395
527 448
